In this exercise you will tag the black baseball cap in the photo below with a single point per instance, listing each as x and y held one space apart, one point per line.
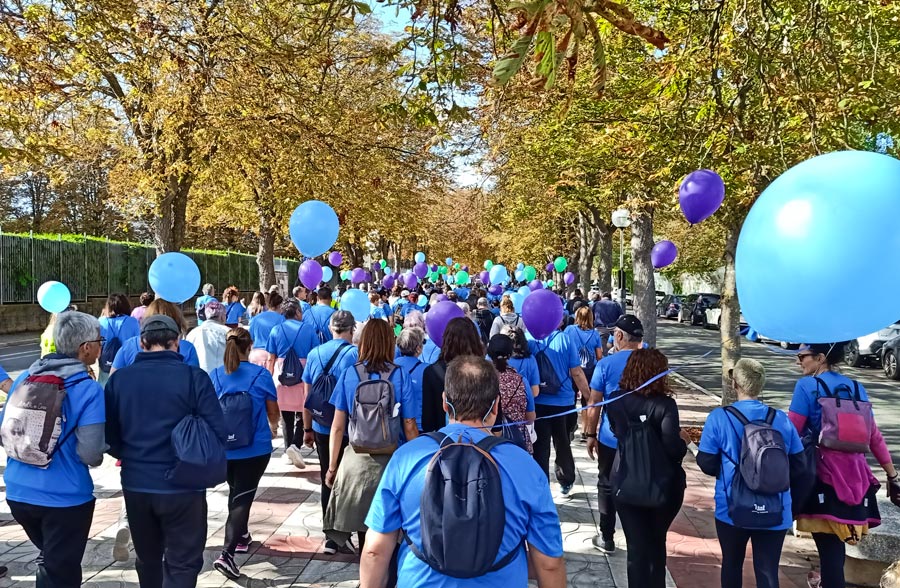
157 323
500 346
631 325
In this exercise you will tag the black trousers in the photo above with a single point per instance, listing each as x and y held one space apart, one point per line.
323 451
645 532
61 535
243 479
606 506
766 553
554 430
832 552
169 535
292 428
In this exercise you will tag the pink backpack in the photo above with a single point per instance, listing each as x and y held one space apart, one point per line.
847 421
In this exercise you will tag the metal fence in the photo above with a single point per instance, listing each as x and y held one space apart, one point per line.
93 267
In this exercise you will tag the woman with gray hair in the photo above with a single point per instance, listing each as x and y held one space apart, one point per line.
53 499
208 338
721 448
430 350
410 343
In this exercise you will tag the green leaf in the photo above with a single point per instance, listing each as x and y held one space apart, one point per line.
362 7
512 62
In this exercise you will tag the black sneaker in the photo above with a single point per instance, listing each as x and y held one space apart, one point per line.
607 546
331 547
226 566
348 548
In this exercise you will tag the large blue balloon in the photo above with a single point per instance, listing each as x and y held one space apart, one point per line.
357 303
174 277
419 257
327 274
54 296
498 275
314 228
822 231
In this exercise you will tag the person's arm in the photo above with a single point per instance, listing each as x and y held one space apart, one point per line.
112 432
709 458
591 422
273 413
550 572
800 407
410 429
336 438
270 363
432 389
496 326
309 437
91 443
6 385
375 558
580 381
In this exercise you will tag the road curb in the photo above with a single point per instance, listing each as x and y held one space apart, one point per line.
691 384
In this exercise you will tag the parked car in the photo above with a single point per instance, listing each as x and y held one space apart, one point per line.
714 316
669 307
693 309
866 350
659 296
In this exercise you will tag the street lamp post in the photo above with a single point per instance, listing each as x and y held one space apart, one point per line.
621 218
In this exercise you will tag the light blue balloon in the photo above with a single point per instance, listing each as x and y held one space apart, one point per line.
54 296
825 228
419 257
422 301
517 300
313 227
449 261
520 266
499 275
174 277
327 274
388 271
520 275
357 303
525 291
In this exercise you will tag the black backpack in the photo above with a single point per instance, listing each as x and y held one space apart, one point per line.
318 399
642 474
291 368
484 319
237 408
320 332
110 348
550 382
462 513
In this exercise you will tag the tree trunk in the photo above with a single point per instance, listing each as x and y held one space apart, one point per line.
588 241
644 283
169 228
605 256
731 317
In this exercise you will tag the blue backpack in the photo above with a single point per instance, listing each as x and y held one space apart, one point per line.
462 514
110 348
200 460
291 369
318 399
550 382
237 408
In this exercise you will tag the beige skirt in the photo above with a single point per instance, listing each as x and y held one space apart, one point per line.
290 398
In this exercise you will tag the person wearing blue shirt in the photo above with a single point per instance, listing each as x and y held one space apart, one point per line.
209 295
522 361
720 450
261 327
564 358
410 343
235 310
55 504
345 354
628 334
354 483
5 380
294 334
411 304
116 322
319 314
130 348
301 294
246 464
531 517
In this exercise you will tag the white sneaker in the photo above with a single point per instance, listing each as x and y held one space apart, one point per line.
120 549
286 458
293 454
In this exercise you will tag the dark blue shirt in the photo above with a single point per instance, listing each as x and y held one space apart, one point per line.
606 313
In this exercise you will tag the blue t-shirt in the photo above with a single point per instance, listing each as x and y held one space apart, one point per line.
202 301
261 326
530 512
379 312
415 367
123 327
66 481
409 307
234 312
564 356
292 333
3 375
344 393
527 368
430 351
807 391
318 317
586 338
463 294
606 381
132 347
315 365
256 381
722 433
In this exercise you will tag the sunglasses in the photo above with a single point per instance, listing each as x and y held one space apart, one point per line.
801 356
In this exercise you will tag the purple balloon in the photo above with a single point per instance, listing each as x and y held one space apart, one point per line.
569 278
335 258
663 254
437 318
388 282
376 267
485 277
549 268
411 281
368 276
421 270
542 312
442 298
496 289
536 285
433 268
700 195
310 273
358 275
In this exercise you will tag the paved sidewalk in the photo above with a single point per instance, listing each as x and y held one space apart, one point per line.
288 541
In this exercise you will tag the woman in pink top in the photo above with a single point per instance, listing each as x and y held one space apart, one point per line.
138 312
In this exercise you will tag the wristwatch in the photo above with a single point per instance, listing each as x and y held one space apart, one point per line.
307 430
591 435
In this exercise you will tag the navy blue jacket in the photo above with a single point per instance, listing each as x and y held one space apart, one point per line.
144 403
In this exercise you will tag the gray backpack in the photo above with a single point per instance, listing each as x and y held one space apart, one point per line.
374 428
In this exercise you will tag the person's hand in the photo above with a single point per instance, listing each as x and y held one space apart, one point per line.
329 478
309 439
685 437
592 448
274 431
893 490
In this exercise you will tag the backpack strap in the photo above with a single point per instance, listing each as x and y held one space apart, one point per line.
739 415
415 367
334 356
361 371
297 334
75 423
489 443
437 436
770 416
824 386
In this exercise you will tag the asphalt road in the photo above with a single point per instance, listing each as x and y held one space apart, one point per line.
18 357
684 345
